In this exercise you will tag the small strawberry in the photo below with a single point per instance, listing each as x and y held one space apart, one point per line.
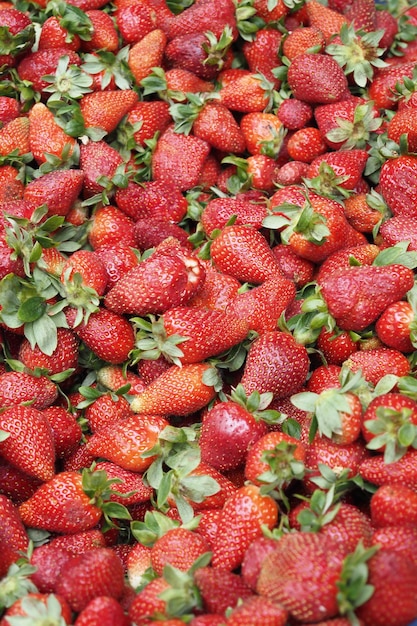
393 505
11 188
66 431
38 606
178 391
179 547
148 117
244 514
118 259
301 40
128 487
104 35
202 53
107 408
20 387
135 20
382 88
99 161
109 226
400 538
246 91
306 145
146 54
397 229
102 611
220 588
396 184
258 612
294 113
324 18
150 232
14 137
49 560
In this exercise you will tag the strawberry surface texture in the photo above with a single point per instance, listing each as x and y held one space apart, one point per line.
208 313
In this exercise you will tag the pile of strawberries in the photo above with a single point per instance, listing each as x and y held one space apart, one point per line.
208 313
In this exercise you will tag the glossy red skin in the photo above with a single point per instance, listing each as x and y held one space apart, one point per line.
228 430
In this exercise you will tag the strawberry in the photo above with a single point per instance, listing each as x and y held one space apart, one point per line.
179 547
13 535
294 268
105 109
404 123
264 10
396 184
55 34
306 145
204 15
134 21
10 187
89 266
274 452
98 161
43 190
294 114
124 442
118 258
243 252
160 200
35 606
129 488
341 259
102 611
217 125
395 326
19 387
402 472
377 363
46 136
151 116
275 363
363 213
364 292
324 18
246 91
229 430
177 391
285 569
35 65
191 326
68 503
179 159
393 505
64 357
18 34
263 305
390 570
203 54
14 136
397 229
258 612
80 541
90 575
107 409
109 335
16 485
104 35
346 164
325 451
301 39
146 54
336 346
316 78
114 376
167 278
149 233
66 431
9 109
258 55
363 14
220 588
148 603
382 88
110 226
243 515
137 562
217 290
262 132
400 538
49 560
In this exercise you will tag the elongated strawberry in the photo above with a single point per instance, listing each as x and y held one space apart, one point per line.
167 278
316 78
275 363
203 15
13 535
146 54
43 190
178 391
246 91
46 137
243 516
124 442
105 109
396 184
98 160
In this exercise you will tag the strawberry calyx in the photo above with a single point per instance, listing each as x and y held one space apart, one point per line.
393 432
398 254
356 133
354 589
37 612
72 19
328 183
307 325
183 596
216 48
16 43
248 21
154 525
98 487
184 114
292 218
283 469
171 473
69 82
257 405
322 509
358 53
17 582
152 341
110 66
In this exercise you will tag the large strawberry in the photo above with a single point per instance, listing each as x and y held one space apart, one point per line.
316 78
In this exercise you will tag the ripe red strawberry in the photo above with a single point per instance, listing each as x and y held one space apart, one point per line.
301 39
114 376
397 229
228 431
202 16
258 55
325 451
48 559
216 124
378 362
347 164
80 541
154 199
98 159
55 34
45 136
129 488
91 269
404 123
356 296
220 588
275 363
104 35
35 605
273 452
316 78
399 538
243 515
13 536
146 54
365 254
324 18
150 232
16 485
90 575
109 335
395 326
135 20
362 13
19 387
102 611
118 259
402 472
177 391
396 184
15 136
382 88
393 577
393 505
312 564
44 190
294 114
167 278
179 547
258 612
66 431
152 116
201 53
179 159
217 290
306 145
11 188
35 65
148 603
9 109
262 132
244 253
299 270
124 442
336 346
107 409
65 355
244 91
109 226
105 109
